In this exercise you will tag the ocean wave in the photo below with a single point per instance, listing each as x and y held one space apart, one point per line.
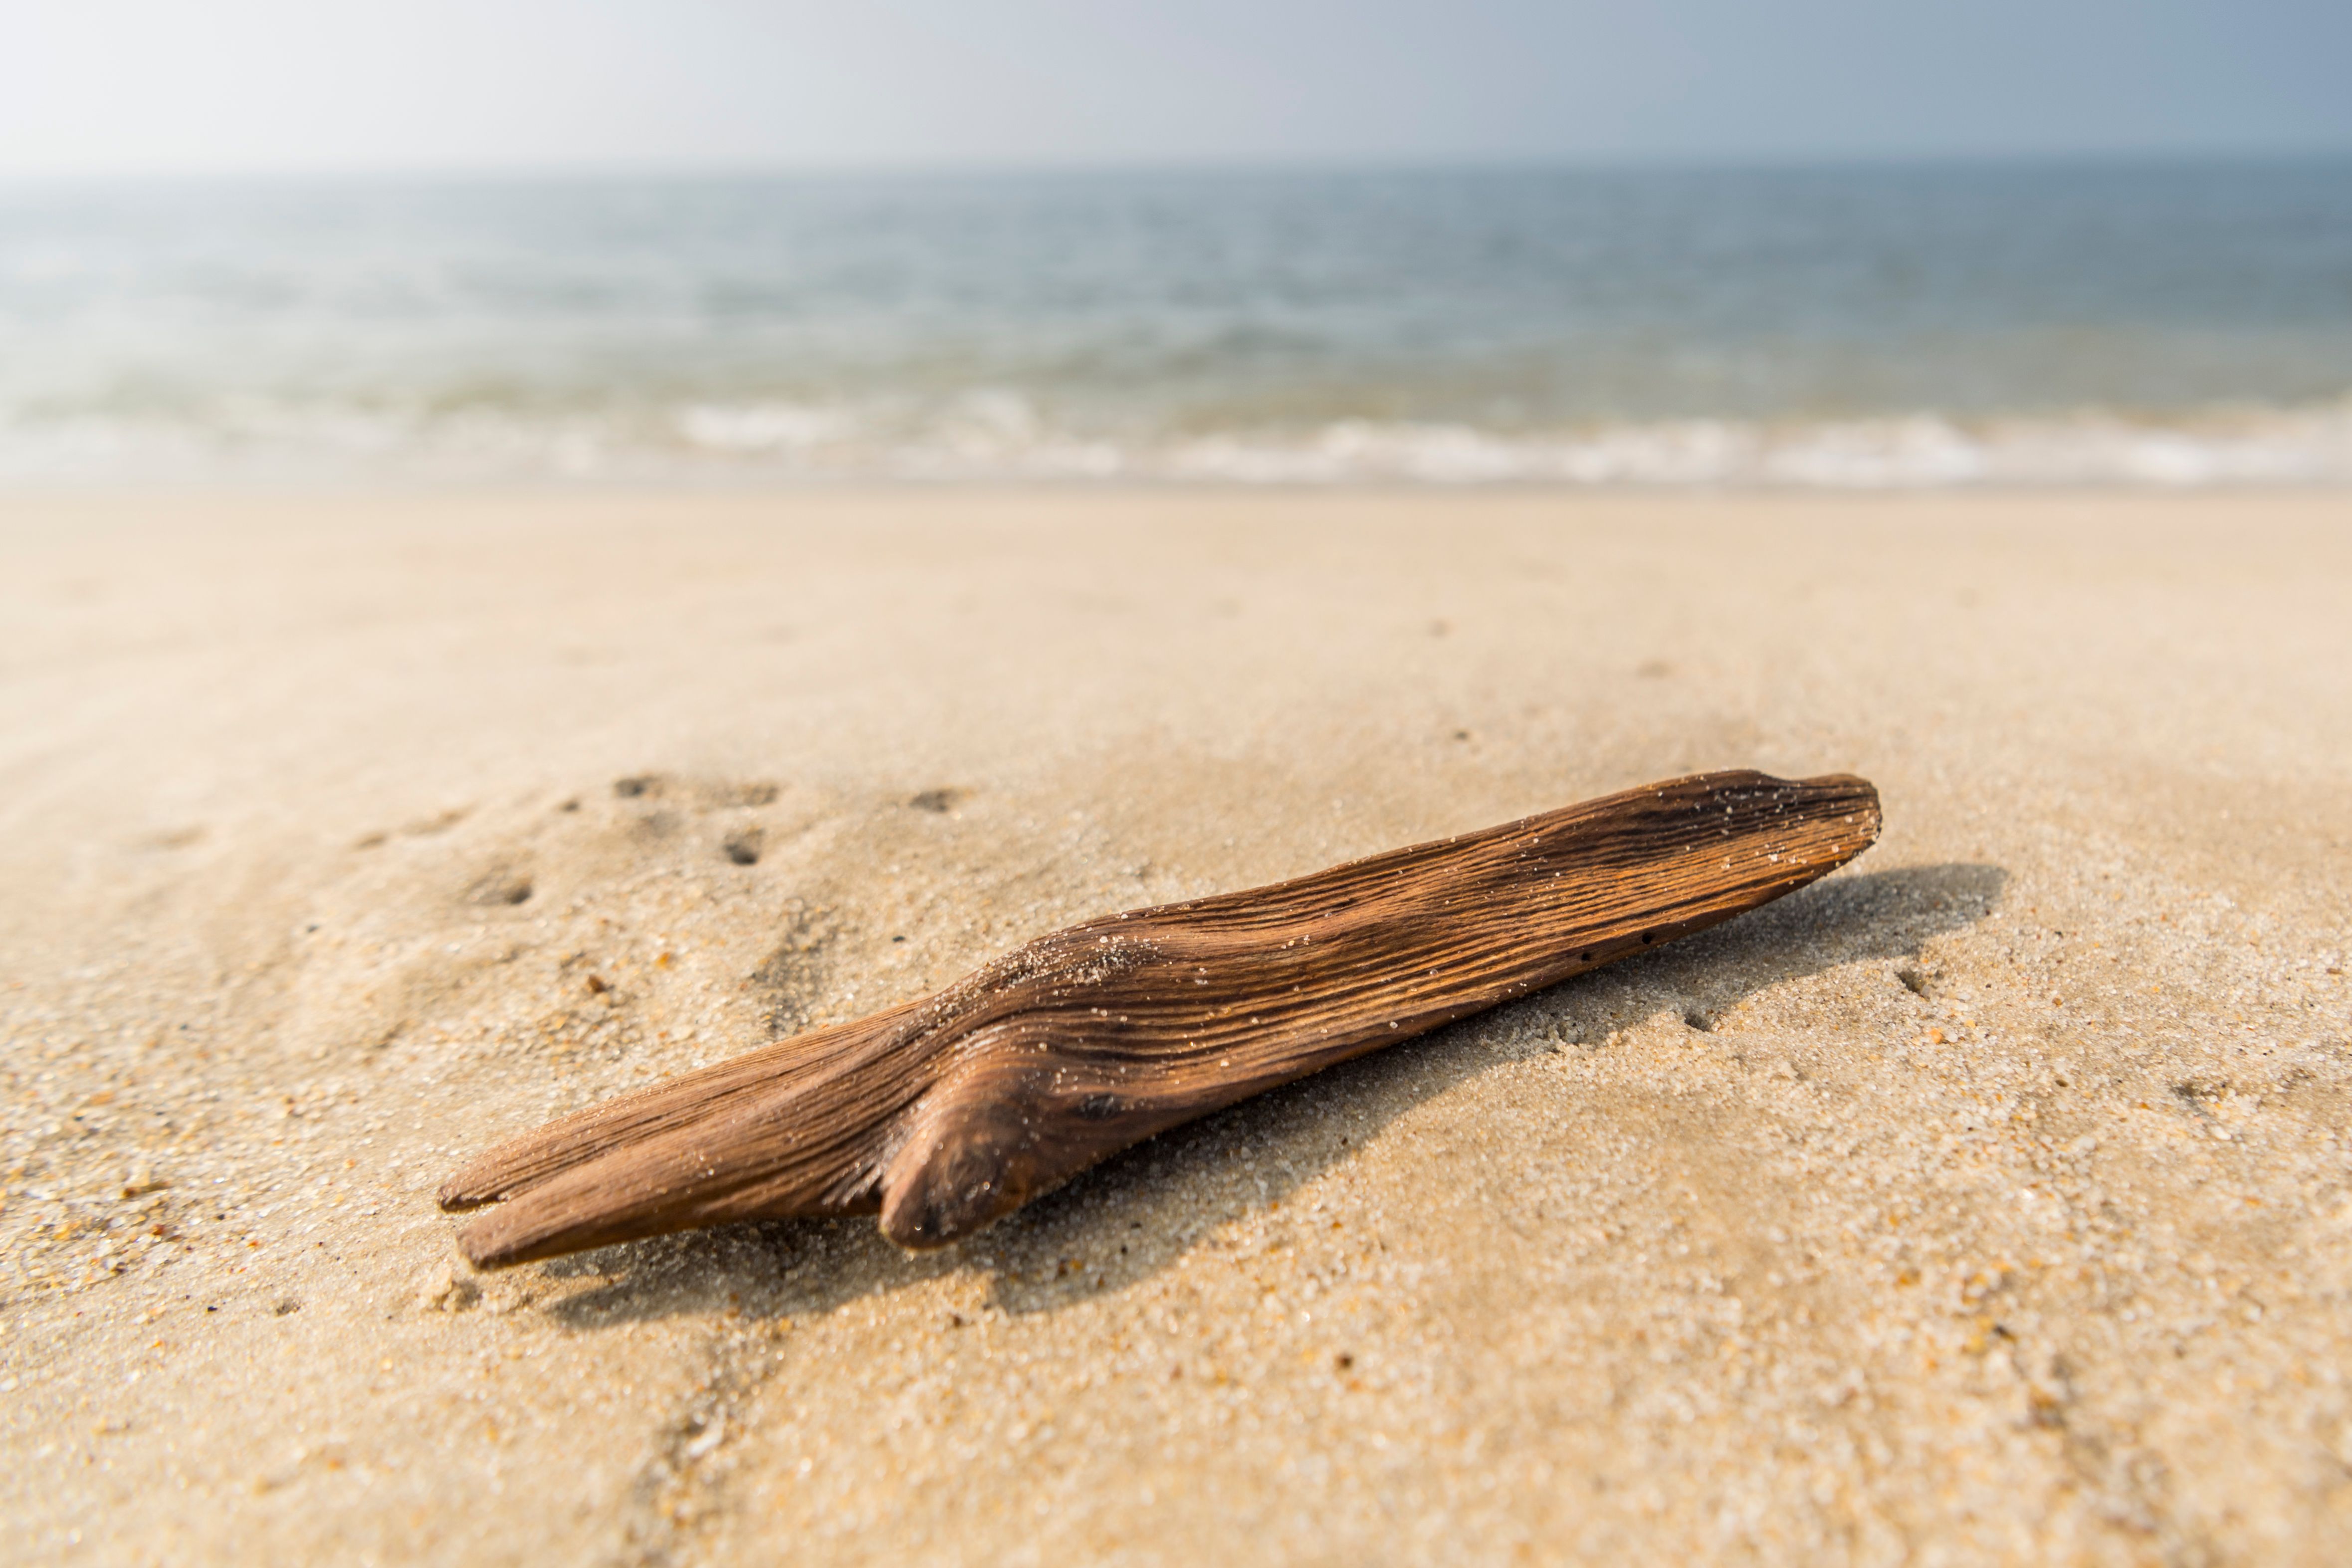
996 435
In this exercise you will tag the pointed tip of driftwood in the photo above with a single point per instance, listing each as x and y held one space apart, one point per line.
459 1195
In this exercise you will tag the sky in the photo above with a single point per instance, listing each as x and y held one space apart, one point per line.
149 87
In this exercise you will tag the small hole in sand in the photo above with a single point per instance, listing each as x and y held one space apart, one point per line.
499 886
940 801
743 846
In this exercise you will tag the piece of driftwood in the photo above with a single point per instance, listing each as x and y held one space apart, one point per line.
951 1110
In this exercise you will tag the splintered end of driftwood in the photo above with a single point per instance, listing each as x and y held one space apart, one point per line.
950 1111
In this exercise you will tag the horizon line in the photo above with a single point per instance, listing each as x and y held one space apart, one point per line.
1235 163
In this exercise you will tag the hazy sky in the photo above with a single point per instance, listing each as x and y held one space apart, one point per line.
236 85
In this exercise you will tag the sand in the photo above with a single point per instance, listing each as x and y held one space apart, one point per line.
1987 1202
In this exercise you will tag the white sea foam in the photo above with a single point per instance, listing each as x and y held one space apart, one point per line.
995 436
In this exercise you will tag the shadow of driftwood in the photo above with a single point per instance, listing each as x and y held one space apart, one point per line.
1139 1212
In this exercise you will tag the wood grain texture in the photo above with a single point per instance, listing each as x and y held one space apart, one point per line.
950 1111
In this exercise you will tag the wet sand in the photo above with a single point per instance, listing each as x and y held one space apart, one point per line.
1990 1200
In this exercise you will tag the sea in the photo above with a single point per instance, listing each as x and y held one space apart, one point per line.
1869 326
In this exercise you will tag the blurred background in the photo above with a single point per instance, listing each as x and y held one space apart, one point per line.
1301 242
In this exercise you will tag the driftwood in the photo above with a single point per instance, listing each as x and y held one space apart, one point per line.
951 1110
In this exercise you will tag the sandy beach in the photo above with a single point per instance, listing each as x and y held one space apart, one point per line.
1988 1202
